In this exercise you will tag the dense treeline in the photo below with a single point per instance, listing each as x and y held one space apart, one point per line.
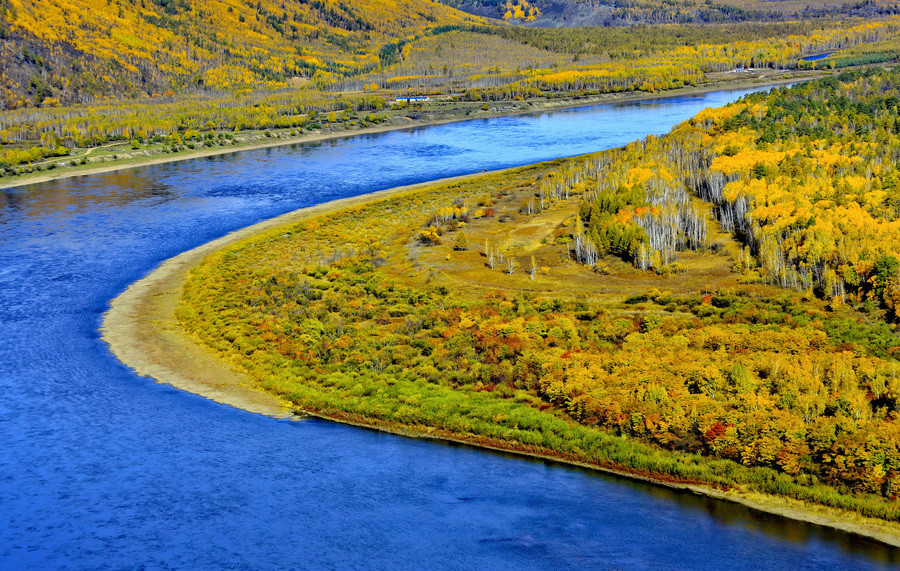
806 176
176 123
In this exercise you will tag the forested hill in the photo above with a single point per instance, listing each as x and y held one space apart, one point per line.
64 52
76 50
625 12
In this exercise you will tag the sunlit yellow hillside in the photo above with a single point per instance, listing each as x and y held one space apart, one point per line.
76 49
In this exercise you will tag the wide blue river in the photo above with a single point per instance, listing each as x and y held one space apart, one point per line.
102 469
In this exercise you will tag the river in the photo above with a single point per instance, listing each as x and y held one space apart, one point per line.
102 469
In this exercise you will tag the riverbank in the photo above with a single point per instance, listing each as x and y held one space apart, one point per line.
141 329
463 111
143 332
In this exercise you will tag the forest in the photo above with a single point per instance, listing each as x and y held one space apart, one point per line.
804 176
717 306
80 86
82 51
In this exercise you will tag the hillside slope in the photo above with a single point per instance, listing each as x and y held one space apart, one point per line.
76 50
570 13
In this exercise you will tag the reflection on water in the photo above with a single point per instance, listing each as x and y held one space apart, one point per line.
117 189
100 469
733 514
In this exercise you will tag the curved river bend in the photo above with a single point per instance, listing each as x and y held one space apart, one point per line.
101 469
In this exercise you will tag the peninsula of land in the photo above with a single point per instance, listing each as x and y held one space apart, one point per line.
143 331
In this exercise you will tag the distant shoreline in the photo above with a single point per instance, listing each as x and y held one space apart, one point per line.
533 106
142 330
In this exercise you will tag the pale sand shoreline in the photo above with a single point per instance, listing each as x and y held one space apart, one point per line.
540 106
142 331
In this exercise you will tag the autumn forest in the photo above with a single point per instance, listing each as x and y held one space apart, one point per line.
751 342
716 308
96 82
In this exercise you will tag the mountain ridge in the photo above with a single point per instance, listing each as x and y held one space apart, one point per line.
76 51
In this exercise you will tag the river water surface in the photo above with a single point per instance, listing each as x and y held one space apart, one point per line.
102 469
